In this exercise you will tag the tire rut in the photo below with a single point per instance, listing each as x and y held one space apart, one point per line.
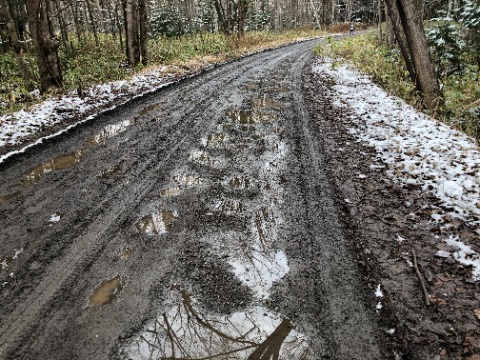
75 254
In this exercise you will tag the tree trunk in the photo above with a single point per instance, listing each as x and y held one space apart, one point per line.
400 37
221 16
417 42
131 32
46 45
93 23
241 14
17 45
142 14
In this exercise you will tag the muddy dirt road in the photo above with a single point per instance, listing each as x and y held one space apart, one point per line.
194 223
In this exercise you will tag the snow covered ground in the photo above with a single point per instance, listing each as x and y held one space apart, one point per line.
416 151
18 127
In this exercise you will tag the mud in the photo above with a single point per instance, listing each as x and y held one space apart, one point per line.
388 225
213 200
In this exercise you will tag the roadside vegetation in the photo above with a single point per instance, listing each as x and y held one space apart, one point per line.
458 73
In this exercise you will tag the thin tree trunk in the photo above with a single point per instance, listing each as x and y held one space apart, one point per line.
389 33
63 28
379 13
400 37
93 23
142 14
221 16
119 26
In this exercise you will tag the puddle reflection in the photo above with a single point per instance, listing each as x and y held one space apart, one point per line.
200 157
250 116
229 207
150 108
186 331
215 140
156 223
239 182
59 163
188 179
107 292
111 131
266 102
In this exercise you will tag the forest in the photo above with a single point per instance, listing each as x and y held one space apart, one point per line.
57 45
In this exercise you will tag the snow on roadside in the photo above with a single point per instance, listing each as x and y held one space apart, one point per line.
22 124
417 151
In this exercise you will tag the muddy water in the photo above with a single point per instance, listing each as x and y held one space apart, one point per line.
107 292
60 163
156 223
186 331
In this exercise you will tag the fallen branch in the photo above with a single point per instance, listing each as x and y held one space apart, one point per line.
420 277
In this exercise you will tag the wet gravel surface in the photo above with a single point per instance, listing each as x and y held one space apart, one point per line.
204 221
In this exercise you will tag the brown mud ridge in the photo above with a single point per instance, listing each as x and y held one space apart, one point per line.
392 227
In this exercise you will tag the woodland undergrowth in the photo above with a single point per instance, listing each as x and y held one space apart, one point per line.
385 66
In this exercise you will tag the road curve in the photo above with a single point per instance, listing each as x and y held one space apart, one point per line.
194 223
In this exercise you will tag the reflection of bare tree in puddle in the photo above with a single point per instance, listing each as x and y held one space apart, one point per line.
185 332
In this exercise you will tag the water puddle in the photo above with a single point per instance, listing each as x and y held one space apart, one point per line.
188 180
111 172
250 116
263 222
59 163
186 331
229 207
266 102
150 108
156 223
110 131
8 197
215 140
180 182
239 183
126 254
256 266
171 191
107 292
200 157
55 218
278 89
